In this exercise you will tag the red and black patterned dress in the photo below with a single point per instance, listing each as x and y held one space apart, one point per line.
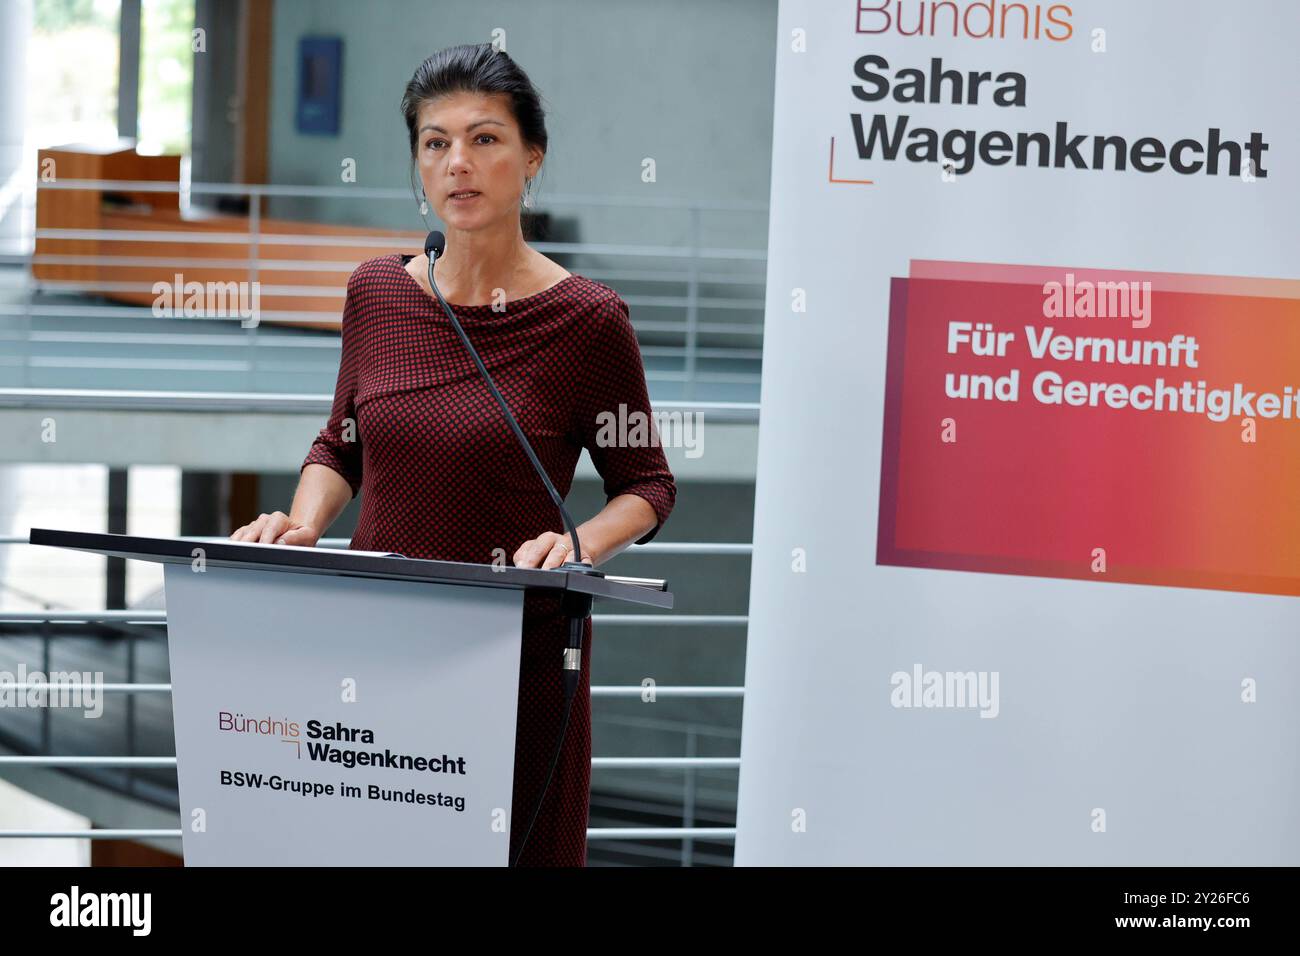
441 475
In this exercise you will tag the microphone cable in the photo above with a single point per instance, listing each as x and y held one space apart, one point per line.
576 606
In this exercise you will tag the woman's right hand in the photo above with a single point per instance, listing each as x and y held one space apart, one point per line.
277 528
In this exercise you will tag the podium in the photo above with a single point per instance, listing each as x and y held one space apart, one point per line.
344 707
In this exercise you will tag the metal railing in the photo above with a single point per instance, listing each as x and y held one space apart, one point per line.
597 833
654 547
105 399
704 283
689 764
708 286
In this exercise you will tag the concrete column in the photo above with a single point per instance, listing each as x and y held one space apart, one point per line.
15 30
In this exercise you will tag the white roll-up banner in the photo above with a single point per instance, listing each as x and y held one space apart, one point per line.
1026 574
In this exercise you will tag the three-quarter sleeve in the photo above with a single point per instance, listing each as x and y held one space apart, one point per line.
615 420
338 445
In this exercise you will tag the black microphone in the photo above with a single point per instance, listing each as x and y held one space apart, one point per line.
576 606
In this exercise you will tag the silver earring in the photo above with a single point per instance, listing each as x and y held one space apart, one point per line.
528 194
424 203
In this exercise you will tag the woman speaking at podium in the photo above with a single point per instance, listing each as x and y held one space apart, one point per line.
415 430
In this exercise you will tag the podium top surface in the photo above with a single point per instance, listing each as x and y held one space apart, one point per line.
239 554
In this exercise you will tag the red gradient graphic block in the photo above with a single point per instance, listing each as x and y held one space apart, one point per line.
1173 498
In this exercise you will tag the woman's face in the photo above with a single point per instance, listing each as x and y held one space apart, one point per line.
471 142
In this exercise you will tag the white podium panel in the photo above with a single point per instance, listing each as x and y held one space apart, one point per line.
334 720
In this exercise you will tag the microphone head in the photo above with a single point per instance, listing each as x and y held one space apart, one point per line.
434 243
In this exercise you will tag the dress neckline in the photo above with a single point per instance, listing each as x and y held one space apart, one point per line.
403 259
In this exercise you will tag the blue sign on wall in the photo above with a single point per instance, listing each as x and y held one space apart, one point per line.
320 84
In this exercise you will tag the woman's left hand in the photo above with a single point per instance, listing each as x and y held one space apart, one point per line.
547 550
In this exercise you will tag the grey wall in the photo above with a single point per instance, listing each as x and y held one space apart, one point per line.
686 82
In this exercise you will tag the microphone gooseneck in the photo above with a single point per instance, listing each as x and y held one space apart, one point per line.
577 607
434 245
